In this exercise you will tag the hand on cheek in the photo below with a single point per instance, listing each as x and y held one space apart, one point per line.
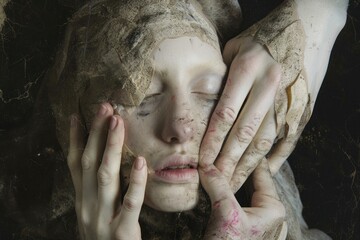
228 220
243 128
95 171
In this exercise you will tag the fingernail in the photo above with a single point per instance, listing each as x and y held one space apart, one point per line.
139 163
113 123
102 110
73 120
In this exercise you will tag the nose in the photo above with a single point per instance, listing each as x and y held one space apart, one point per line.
178 129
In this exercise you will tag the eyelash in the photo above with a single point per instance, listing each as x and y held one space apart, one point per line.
150 100
209 97
147 102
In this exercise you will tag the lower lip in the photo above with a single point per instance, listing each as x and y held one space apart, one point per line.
181 175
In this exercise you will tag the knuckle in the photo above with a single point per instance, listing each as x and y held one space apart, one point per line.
226 115
275 74
245 134
131 203
85 162
248 63
113 143
71 162
85 219
263 145
104 177
73 156
242 175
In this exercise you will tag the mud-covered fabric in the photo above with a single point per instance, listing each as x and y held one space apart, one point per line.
282 33
290 197
106 55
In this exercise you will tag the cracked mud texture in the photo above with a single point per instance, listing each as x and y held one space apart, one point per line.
326 161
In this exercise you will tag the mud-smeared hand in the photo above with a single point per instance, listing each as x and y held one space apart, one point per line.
237 141
99 210
228 220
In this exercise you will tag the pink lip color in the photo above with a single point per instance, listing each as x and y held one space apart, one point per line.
182 175
177 169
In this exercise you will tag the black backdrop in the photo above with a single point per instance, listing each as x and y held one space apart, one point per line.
325 162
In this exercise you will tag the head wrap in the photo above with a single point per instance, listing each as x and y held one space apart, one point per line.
107 53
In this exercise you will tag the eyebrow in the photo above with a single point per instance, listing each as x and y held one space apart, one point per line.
207 67
162 73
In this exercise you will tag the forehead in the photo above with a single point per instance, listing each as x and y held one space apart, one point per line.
183 62
124 46
187 54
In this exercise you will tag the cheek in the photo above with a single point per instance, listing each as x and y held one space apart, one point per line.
202 112
139 135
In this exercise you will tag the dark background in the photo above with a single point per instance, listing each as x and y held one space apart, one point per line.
325 162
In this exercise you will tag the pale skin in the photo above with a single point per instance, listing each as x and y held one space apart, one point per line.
233 162
102 214
254 75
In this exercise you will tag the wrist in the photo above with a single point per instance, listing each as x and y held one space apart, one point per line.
322 16
322 21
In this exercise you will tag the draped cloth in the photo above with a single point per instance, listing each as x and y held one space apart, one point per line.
106 56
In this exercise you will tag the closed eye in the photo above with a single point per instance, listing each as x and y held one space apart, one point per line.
149 104
208 96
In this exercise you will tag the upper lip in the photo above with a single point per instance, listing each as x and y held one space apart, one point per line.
176 160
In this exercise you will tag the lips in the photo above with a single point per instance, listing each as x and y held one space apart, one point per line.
177 169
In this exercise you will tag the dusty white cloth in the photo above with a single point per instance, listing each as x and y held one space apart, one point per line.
108 46
289 195
106 55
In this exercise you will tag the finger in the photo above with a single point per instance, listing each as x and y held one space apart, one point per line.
266 208
134 197
281 152
260 100
76 147
256 151
92 154
109 171
238 85
223 201
264 186
214 183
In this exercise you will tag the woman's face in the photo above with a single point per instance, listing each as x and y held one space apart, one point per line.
168 126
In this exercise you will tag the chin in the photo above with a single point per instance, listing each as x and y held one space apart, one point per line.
171 197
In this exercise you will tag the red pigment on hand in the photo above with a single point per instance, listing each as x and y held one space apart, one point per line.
216 204
231 225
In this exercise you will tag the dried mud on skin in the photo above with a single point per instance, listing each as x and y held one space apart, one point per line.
326 162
